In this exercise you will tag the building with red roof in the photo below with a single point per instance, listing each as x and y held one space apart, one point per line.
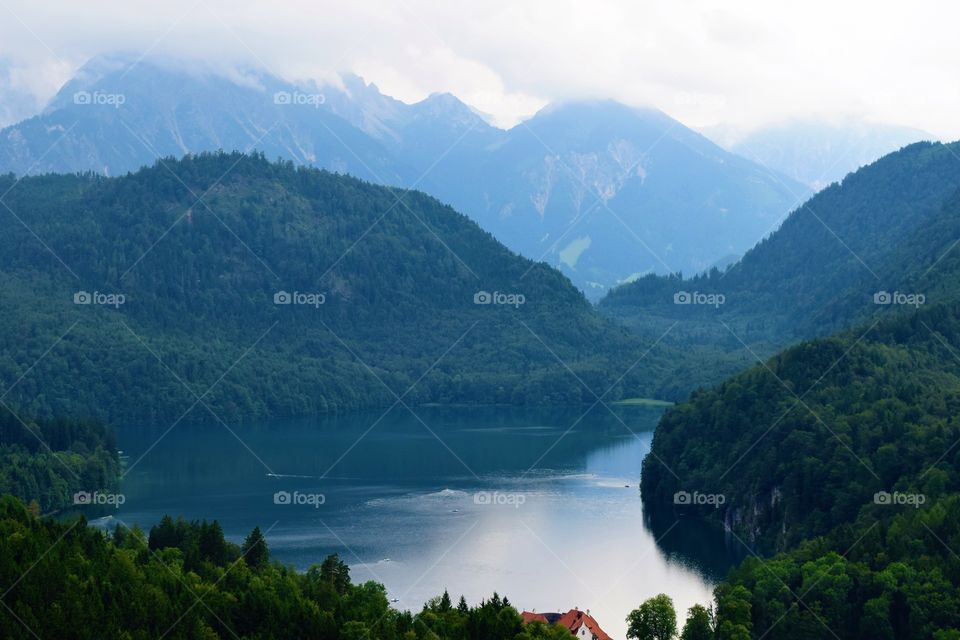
580 623
530 616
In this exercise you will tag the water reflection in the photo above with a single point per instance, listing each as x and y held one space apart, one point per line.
540 505
701 546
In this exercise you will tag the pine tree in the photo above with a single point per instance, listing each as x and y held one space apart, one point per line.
255 550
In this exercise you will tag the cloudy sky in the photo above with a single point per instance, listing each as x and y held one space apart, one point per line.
704 62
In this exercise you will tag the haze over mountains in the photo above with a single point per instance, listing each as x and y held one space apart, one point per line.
602 191
672 267
817 152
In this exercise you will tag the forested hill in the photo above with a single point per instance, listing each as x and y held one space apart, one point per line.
70 580
185 265
45 463
843 452
889 227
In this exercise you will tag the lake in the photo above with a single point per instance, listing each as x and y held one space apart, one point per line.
540 505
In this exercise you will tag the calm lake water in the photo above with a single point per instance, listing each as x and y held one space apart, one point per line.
542 506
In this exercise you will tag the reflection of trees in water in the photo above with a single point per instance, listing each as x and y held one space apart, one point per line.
693 542
397 449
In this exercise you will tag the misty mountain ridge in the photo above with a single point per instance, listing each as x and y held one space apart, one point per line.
602 191
818 152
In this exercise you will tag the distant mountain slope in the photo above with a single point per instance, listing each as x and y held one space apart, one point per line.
113 118
602 191
378 294
607 192
890 227
818 153
18 101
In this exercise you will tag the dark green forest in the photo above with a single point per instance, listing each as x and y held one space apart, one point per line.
47 461
184 580
837 458
199 247
888 227
842 453
886 576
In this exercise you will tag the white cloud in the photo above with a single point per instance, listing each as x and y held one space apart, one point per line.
704 62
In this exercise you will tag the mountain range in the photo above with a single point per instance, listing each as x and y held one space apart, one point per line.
817 152
226 284
602 191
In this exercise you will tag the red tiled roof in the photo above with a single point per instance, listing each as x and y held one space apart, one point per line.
572 620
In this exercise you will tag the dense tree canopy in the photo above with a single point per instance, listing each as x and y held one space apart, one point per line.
699 624
183 580
841 452
391 294
48 461
655 619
